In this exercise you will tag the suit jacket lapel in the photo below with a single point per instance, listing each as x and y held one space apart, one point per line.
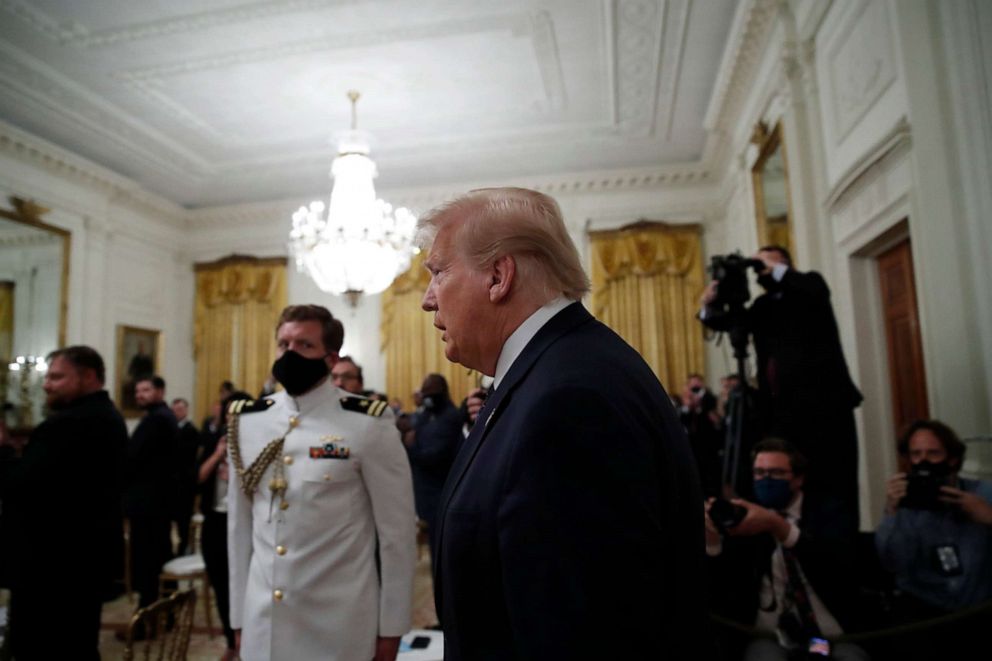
569 318
561 323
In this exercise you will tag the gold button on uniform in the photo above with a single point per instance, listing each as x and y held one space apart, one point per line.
281 550
293 422
287 460
284 505
327 477
277 595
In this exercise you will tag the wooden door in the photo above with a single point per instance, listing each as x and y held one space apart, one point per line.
902 333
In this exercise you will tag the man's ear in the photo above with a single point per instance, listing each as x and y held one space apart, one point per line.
331 359
501 275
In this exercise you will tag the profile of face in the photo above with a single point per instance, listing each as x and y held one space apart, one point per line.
145 393
695 384
344 374
180 410
63 383
925 446
458 294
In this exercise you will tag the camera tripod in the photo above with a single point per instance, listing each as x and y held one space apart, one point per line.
738 408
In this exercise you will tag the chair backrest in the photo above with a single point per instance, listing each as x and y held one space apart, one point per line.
165 627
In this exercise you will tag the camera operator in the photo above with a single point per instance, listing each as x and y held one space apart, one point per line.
805 394
783 569
936 536
697 412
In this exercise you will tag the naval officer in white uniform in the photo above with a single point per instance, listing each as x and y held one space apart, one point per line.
321 480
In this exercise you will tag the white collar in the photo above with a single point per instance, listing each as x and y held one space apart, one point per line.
525 332
794 511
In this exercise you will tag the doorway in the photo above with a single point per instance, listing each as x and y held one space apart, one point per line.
907 376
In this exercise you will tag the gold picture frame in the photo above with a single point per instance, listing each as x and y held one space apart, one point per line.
772 195
139 354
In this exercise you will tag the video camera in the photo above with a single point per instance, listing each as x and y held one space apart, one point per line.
923 486
731 271
725 514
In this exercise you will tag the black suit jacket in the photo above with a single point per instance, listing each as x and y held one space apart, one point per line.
152 461
63 523
571 521
796 341
438 433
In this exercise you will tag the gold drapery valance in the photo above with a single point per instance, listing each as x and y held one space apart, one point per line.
411 344
238 301
646 282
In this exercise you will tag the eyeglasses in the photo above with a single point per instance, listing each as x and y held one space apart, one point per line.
345 377
774 473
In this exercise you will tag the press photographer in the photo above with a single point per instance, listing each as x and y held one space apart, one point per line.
783 569
805 393
936 536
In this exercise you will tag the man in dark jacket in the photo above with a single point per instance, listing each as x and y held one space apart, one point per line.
151 487
785 569
805 393
571 523
431 448
187 445
62 505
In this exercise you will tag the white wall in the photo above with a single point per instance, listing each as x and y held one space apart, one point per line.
885 110
127 263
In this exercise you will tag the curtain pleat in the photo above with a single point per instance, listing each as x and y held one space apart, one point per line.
238 301
646 281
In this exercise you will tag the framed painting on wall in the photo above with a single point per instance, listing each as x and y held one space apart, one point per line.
138 356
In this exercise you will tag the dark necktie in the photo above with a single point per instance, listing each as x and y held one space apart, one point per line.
796 589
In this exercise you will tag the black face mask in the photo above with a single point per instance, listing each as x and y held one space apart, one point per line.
298 374
768 281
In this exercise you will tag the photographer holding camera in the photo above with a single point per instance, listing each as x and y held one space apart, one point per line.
805 393
783 569
936 536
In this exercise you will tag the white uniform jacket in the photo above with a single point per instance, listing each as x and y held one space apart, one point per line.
303 575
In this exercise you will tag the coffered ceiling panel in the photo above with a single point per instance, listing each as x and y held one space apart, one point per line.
222 101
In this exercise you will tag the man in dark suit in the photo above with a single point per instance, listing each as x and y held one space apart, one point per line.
62 501
151 487
187 445
571 523
787 568
805 393
431 446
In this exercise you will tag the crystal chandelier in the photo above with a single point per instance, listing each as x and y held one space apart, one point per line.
363 243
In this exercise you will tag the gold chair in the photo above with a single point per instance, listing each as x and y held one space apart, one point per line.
188 568
159 641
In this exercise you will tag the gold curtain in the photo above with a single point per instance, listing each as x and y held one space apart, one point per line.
646 282
412 345
238 301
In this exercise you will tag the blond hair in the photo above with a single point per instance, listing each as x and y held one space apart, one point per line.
513 221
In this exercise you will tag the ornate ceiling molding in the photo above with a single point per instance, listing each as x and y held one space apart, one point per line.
676 14
61 162
745 44
538 26
639 25
74 34
27 79
420 199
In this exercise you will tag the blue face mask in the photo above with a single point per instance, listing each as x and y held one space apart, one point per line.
773 494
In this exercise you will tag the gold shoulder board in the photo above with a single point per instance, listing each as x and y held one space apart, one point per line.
371 407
